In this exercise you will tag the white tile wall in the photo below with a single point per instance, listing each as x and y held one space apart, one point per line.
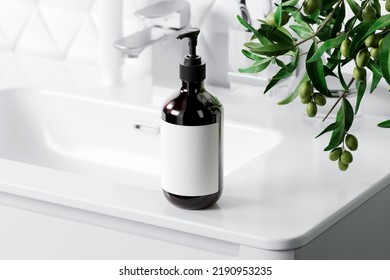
66 29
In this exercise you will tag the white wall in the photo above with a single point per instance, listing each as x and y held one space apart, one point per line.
67 30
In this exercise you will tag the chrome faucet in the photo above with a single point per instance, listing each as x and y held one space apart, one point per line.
164 21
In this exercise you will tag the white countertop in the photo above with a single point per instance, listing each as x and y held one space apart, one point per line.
280 201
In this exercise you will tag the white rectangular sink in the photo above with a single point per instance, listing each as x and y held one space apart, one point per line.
108 140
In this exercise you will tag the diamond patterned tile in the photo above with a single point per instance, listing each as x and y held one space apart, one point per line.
36 38
10 69
62 34
66 29
84 47
199 11
4 42
11 24
89 3
222 15
81 5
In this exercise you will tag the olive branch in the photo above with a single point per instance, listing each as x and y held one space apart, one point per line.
364 39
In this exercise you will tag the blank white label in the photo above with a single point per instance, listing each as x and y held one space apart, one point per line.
190 159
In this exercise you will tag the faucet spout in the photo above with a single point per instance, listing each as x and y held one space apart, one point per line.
131 46
165 20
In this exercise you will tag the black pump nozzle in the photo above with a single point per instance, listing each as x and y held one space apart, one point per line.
192 35
192 69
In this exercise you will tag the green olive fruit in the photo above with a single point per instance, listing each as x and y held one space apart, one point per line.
380 40
359 74
346 157
351 142
270 19
305 101
368 13
344 48
311 6
362 58
335 154
319 99
343 166
371 41
305 90
374 53
387 5
311 109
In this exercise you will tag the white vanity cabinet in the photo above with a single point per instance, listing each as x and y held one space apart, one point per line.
33 229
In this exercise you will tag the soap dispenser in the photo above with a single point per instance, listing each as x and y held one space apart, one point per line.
192 137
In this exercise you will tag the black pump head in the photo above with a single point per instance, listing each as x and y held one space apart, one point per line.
192 69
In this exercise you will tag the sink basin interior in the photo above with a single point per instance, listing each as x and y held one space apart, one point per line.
103 139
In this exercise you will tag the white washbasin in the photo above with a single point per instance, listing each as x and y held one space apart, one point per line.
103 139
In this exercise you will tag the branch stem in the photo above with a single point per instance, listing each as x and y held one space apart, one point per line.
326 20
339 99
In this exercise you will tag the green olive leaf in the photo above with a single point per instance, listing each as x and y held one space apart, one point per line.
329 72
325 33
316 73
359 37
345 117
276 35
334 59
341 77
303 31
328 4
295 93
376 75
332 62
385 124
366 29
329 44
354 7
284 72
256 67
382 22
308 19
286 32
377 7
290 3
338 132
348 114
280 63
298 18
263 40
273 50
329 128
340 15
349 24
252 56
278 16
253 45
361 89
384 57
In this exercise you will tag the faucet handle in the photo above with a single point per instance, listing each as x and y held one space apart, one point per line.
176 13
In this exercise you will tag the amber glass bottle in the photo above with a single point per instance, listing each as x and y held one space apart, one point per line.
191 138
